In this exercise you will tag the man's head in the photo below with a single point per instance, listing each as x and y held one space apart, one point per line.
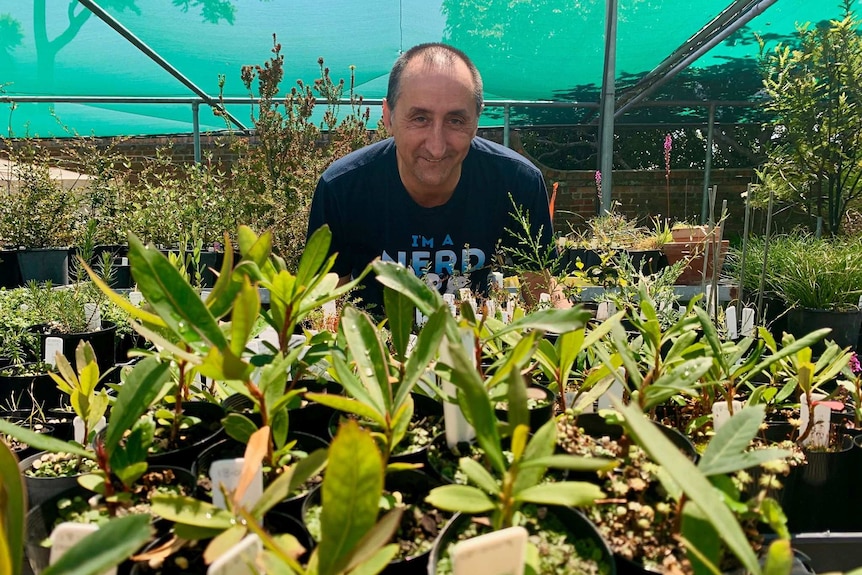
432 110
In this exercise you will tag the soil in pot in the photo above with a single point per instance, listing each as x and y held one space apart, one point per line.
48 474
19 448
541 404
567 541
204 428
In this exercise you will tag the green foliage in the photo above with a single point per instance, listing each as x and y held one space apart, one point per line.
13 508
90 405
814 94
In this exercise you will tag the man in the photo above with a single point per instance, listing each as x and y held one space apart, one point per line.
434 196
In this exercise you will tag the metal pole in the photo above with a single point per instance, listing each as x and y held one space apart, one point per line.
708 164
196 130
745 228
765 257
506 119
608 101
154 56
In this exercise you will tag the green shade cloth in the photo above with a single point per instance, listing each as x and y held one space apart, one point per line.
526 50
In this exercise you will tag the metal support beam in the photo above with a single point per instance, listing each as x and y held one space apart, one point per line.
196 130
606 135
737 15
154 56
708 164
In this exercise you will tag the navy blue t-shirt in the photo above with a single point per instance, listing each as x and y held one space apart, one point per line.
371 214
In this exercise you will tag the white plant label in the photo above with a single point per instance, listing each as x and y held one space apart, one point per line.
205 294
136 297
819 421
226 472
93 315
720 412
449 298
239 559
500 552
421 319
616 390
78 428
747 327
330 313
496 280
457 428
124 261
67 535
53 346
730 321
602 311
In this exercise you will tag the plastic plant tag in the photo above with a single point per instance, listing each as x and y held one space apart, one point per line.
67 535
239 559
205 294
53 346
93 315
544 297
421 319
78 429
602 311
330 313
720 412
457 428
124 261
819 421
500 552
269 335
449 298
226 472
747 326
731 322
616 390
136 297
495 279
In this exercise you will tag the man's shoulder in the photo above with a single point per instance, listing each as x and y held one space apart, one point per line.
367 157
488 150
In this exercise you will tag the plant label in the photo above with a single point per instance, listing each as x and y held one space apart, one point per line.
616 390
490 308
53 346
449 298
721 412
93 315
330 313
730 322
421 319
67 535
747 326
239 559
78 429
819 421
457 428
225 474
500 552
205 294
136 297
124 261
495 280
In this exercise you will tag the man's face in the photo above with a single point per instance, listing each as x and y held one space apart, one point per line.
433 123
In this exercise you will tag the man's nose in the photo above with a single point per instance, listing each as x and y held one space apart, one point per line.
436 141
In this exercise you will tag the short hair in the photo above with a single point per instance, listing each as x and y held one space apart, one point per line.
432 52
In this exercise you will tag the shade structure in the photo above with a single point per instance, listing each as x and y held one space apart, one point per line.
527 50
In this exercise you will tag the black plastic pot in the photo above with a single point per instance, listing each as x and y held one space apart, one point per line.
22 391
23 452
44 264
817 494
101 340
41 489
10 273
41 519
845 326
540 414
208 432
578 526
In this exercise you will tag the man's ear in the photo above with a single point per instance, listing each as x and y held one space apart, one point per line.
387 114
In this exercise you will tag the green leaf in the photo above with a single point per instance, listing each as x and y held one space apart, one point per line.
700 535
571 493
107 547
243 317
142 386
476 473
779 558
463 498
13 510
374 541
541 445
123 303
400 313
42 441
553 320
378 562
426 349
518 413
350 496
734 436
692 482
190 511
350 382
369 353
314 255
403 280
238 426
171 297
571 463
347 405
